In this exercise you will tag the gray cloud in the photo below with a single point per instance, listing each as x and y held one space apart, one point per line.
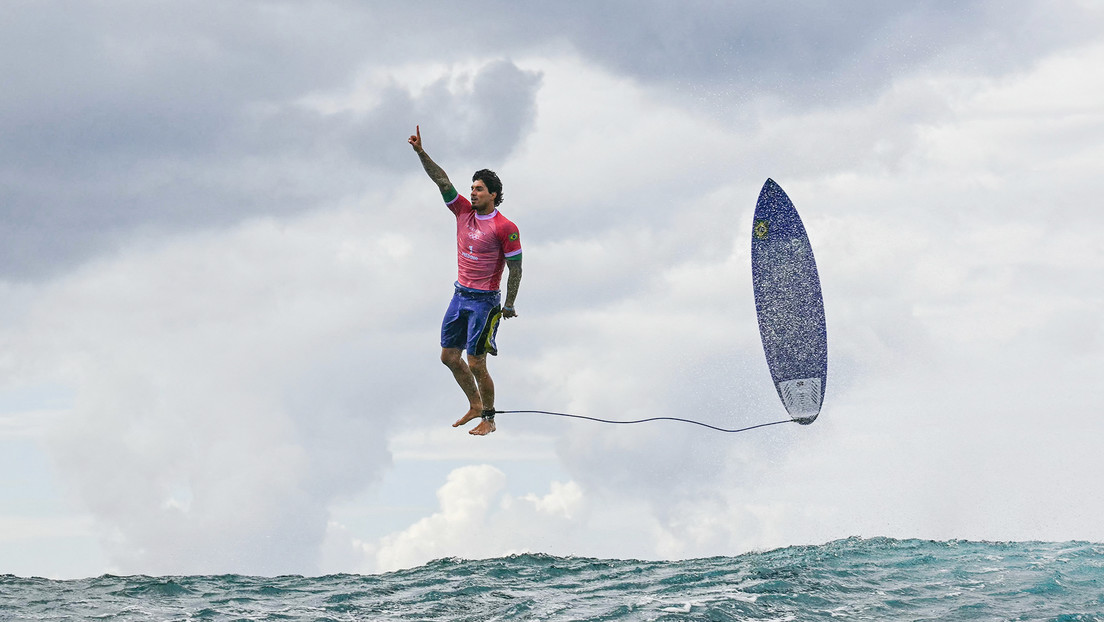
804 54
133 116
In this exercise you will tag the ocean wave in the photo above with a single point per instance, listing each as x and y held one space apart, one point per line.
850 579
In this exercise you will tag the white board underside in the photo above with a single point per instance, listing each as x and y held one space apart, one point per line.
801 397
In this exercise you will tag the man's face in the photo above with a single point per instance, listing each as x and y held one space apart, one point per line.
481 200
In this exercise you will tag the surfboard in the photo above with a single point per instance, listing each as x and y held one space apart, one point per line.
789 304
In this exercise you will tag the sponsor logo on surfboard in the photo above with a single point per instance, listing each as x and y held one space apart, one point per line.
761 229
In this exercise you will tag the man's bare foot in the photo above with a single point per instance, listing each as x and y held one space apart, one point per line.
484 428
472 413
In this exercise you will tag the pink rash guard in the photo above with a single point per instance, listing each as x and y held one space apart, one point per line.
483 244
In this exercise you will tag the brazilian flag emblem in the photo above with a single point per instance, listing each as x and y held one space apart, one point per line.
513 237
761 229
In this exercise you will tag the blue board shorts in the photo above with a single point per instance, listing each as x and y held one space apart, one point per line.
471 321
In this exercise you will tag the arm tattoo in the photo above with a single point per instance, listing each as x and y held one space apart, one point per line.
513 280
436 173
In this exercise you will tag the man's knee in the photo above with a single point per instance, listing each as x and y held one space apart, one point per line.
478 364
451 357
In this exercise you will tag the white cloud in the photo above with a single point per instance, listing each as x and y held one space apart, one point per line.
29 424
957 315
221 393
476 520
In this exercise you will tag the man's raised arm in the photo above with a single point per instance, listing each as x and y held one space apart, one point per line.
436 173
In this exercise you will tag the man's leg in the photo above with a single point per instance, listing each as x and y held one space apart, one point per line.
454 360
478 366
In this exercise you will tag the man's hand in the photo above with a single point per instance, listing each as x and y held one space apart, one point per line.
508 312
415 139
436 173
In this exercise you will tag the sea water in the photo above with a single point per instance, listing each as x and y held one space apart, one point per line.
852 579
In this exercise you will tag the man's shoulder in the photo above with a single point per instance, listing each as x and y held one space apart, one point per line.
507 232
501 220
458 203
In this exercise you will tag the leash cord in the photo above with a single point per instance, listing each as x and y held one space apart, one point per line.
712 427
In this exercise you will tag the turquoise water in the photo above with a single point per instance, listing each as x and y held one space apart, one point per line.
853 579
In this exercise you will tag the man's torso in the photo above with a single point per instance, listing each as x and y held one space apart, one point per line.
483 243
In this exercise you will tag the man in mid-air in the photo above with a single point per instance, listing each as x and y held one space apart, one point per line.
485 243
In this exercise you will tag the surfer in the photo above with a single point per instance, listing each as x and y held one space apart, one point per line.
485 243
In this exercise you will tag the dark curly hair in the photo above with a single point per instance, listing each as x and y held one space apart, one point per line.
493 183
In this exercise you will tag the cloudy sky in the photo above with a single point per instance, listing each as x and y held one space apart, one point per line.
222 273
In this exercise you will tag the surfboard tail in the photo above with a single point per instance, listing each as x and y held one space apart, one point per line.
802 398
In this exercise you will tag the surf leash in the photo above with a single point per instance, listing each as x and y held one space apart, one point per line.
711 427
